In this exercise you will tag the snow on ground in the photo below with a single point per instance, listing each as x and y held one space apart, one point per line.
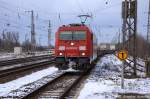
141 72
15 84
6 56
31 87
9 56
105 81
21 65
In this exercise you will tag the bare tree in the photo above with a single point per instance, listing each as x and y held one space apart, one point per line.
9 40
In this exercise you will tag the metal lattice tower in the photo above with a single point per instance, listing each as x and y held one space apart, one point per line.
129 30
148 31
148 24
33 40
49 34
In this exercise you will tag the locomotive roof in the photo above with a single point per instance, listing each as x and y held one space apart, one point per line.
74 27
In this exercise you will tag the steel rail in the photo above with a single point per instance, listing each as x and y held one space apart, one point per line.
15 70
42 87
23 60
66 90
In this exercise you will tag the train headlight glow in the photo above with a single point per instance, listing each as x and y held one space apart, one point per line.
72 44
83 54
60 54
83 48
62 48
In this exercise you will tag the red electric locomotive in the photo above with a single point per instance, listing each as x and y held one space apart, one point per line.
75 46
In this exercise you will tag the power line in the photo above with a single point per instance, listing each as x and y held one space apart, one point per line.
106 8
12 6
11 10
78 4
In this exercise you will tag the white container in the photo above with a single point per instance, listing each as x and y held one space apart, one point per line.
103 47
112 47
17 50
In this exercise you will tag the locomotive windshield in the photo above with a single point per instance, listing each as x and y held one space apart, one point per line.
66 35
72 35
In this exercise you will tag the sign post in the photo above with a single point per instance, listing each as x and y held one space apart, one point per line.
147 62
122 55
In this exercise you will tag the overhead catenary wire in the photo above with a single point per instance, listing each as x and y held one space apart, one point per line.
78 4
66 13
47 14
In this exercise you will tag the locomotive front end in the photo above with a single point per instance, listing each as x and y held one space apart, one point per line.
73 47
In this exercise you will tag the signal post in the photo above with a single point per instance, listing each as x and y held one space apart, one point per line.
122 55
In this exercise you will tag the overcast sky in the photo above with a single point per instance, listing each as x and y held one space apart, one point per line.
106 20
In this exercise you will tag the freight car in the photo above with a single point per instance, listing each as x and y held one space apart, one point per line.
75 46
106 48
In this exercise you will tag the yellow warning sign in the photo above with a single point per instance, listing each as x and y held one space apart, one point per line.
122 55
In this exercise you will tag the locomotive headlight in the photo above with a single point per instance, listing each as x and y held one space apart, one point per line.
83 54
83 48
60 54
72 44
62 48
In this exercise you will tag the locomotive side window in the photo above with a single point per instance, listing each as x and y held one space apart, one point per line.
72 35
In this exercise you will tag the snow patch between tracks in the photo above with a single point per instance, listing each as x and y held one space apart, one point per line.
16 84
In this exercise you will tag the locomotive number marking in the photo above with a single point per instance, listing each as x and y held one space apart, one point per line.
71 48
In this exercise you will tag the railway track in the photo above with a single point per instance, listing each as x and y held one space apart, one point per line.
55 86
13 73
59 87
23 60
